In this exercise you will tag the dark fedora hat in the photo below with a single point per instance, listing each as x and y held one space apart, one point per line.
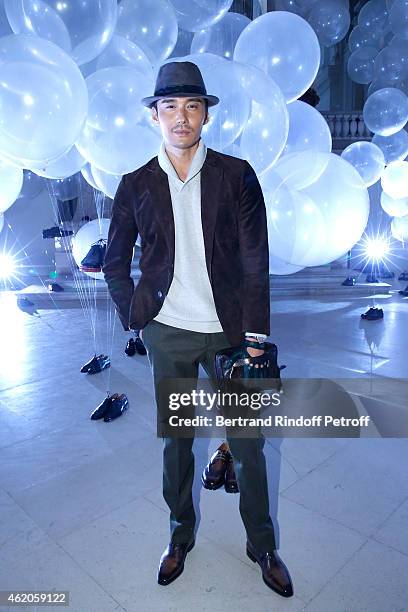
179 80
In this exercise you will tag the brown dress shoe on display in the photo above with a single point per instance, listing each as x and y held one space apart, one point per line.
213 476
275 574
231 485
172 562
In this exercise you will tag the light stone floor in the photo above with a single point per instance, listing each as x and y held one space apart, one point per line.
80 501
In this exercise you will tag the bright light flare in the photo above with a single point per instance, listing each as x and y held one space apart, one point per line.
7 266
377 248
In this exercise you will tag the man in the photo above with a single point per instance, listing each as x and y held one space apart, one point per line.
204 285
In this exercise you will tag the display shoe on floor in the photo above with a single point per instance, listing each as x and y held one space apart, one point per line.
55 287
275 574
373 314
230 485
101 363
213 476
119 403
100 411
172 562
93 260
130 349
404 291
56 232
90 363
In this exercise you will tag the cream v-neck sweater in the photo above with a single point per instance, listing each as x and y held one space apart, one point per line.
189 303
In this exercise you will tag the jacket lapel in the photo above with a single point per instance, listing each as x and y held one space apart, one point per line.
161 198
211 181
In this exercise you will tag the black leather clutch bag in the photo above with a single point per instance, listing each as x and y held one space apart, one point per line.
234 363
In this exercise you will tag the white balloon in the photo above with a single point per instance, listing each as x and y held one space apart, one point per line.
367 159
11 182
394 147
85 237
399 18
150 25
281 268
107 183
220 38
330 20
195 15
343 199
384 82
68 164
361 63
123 52
394 180
399 228
296 228
88 176
373 16
392 63
81 29
285 47
364 38
44 100
309 135
394 208
298 170
385 112
113 138
264 136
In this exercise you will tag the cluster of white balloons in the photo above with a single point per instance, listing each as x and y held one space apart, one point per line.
72 75
329 19
379 57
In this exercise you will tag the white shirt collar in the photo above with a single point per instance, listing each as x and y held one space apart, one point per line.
195 166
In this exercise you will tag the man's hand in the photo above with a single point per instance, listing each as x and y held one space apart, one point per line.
254 352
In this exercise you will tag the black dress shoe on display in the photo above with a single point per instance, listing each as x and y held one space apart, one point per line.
118 404
213 476
172 562
130 349
56 232
55 287
100 411
404 291
101 363
275 574
373 314
230 485
349 282
93 260
140 347
89 363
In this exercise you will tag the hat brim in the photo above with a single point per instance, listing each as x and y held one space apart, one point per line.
212 100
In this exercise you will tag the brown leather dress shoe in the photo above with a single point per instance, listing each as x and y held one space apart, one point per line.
213 476
172 562
275 574
231 485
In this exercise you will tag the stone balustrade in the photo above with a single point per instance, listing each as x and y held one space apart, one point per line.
346 127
